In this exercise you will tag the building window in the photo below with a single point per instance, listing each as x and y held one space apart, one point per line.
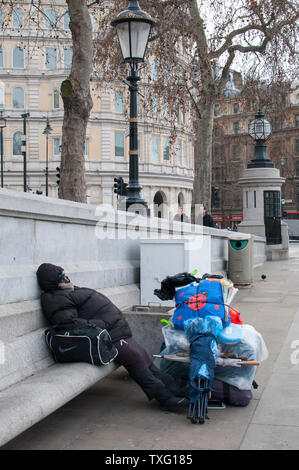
18 18
1 18
93 20
216 109
138 145
297 146
66 20
18 58
1 97
236 108
236 172
218 174
276 123
217 132
297 195
178 151
297 120
50 58
155 148
18 98
166 153
236 152
297 168
67 58
56 104
155 106
50 19
236 128
154 70
17 144
138 104
185 153
165 111
1 57
86 142
56 146
119 144
119 101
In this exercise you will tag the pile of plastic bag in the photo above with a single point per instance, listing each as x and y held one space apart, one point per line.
211 333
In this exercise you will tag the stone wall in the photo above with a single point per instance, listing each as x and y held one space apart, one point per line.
97 247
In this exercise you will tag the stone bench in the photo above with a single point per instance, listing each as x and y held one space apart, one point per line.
32 385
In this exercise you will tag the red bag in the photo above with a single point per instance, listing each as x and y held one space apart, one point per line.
235 317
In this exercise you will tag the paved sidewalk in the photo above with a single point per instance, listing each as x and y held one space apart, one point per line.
115 415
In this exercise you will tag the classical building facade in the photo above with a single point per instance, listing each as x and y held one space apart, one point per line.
233 149
35 57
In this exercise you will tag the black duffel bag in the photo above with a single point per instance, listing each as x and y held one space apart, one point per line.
80 342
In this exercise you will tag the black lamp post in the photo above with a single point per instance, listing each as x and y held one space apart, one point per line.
133 27
24 116
2 125
260 130
48 129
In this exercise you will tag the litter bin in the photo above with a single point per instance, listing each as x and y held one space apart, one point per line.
240 259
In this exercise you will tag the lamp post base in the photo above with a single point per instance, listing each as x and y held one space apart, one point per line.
260 158
137 206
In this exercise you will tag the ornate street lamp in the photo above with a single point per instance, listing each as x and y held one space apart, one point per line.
133 28
2 125
260 130
48 129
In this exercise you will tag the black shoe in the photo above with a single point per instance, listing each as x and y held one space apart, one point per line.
174 404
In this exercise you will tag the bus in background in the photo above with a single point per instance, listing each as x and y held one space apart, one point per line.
292 219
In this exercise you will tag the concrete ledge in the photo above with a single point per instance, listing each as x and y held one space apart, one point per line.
19 283
25 403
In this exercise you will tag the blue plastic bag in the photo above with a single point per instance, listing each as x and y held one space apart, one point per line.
232 334
200 300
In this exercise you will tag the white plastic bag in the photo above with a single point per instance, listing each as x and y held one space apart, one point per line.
175 339
252 345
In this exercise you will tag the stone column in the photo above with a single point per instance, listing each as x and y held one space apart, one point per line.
255 181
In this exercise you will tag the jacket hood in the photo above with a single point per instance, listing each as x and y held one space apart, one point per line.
48 275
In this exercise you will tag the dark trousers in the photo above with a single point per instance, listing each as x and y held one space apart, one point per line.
152 381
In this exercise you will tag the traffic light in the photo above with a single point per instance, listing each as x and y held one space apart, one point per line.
120 187
215 196
58 175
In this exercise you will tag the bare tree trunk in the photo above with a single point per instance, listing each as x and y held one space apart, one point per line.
203 158
75 92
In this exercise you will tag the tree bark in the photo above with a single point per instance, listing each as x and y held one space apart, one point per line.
203 158
75 92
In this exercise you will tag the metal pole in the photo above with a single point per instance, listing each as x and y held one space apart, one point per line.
47 169
24 116
1 157
25 156
134 188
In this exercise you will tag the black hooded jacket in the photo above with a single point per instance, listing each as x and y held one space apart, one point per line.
63 305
